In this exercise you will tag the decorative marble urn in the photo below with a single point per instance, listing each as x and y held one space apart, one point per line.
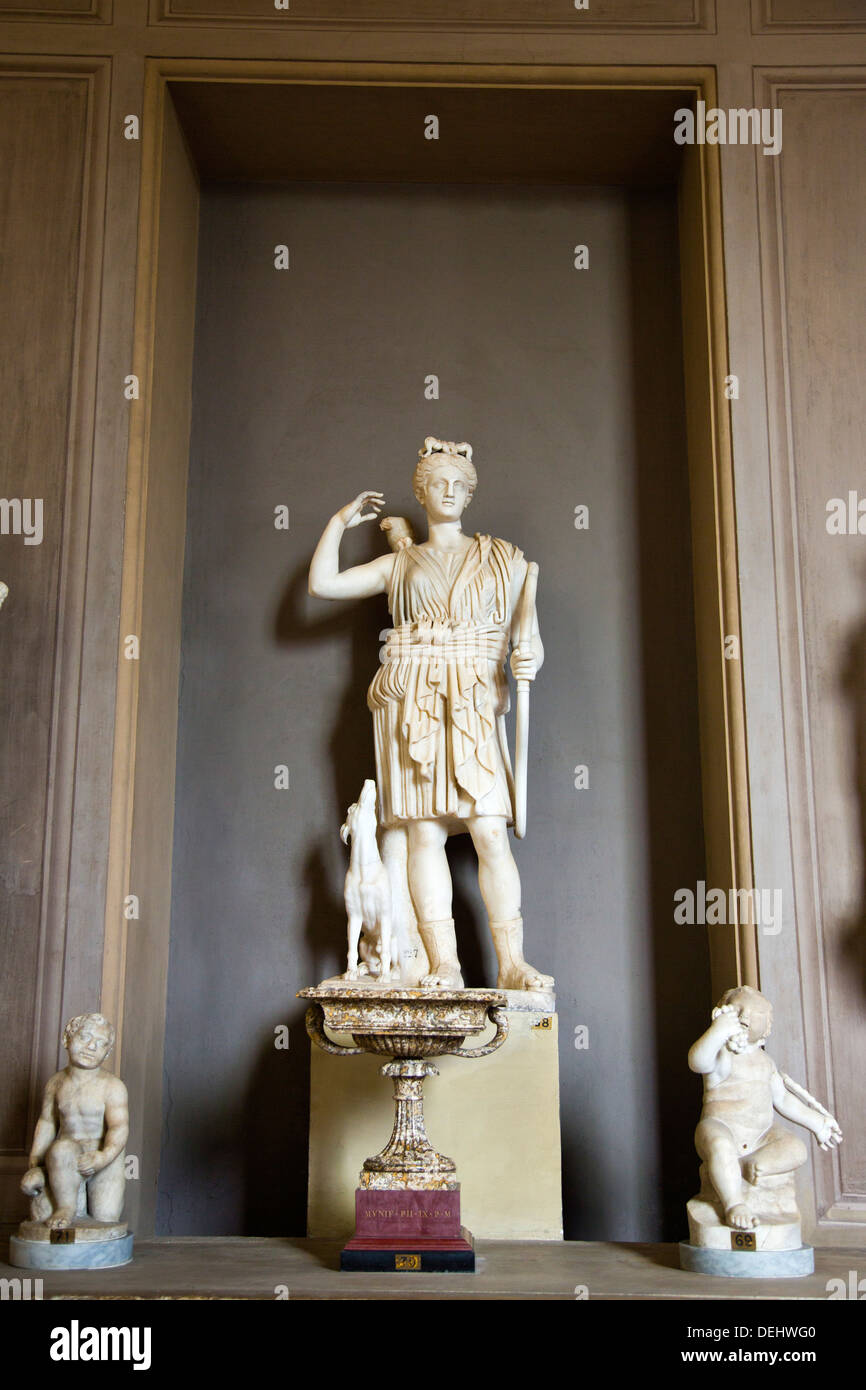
408 1027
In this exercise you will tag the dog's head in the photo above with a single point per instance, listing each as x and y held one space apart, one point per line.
365 805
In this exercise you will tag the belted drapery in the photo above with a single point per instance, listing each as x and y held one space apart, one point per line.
441 673
440 693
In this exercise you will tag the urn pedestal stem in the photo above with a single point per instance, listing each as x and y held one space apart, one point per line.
409 1159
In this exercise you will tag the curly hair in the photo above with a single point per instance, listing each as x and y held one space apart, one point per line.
76 1024
438 451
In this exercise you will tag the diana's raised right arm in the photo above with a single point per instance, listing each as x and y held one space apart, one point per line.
326 579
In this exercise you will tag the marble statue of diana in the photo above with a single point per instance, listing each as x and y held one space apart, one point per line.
439 699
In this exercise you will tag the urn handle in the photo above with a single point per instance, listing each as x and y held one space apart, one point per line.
315 1023
500 1018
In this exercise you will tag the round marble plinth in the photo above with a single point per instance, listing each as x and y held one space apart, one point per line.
85 1254
748 1264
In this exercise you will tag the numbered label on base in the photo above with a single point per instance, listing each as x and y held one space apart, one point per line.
407 1261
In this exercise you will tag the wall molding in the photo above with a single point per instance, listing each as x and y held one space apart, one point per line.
52 981
88 11
834 1208
509 16
768 18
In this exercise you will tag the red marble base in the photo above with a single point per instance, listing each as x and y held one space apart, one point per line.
384 1215
408 1229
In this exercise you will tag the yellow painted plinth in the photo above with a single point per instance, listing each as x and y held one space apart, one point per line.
496 1116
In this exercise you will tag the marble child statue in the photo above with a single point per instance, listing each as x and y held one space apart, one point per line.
439 699
77 1156
748 1159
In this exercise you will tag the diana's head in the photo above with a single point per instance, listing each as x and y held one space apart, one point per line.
445 479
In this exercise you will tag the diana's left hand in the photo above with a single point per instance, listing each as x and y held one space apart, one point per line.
523 668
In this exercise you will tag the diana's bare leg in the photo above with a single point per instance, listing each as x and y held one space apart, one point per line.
430 886
499 882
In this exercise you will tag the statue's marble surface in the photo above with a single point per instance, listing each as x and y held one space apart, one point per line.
438 702
747 1203
76 1177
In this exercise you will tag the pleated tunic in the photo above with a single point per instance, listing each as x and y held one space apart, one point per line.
441 693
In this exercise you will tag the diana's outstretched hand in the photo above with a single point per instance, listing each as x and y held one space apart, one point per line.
353 513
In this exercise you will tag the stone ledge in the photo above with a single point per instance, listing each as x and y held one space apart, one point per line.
188 1267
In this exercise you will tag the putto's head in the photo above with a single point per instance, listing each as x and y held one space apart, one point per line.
445 478
88 1038
756 1011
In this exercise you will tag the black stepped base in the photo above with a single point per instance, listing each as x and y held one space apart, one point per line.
409 1261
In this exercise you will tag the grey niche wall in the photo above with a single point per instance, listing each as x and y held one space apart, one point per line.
308 386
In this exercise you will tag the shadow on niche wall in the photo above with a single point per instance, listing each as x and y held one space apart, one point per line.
273 1105
350 745
269 1147
679 955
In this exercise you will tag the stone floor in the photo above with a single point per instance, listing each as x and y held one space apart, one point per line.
252 1268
